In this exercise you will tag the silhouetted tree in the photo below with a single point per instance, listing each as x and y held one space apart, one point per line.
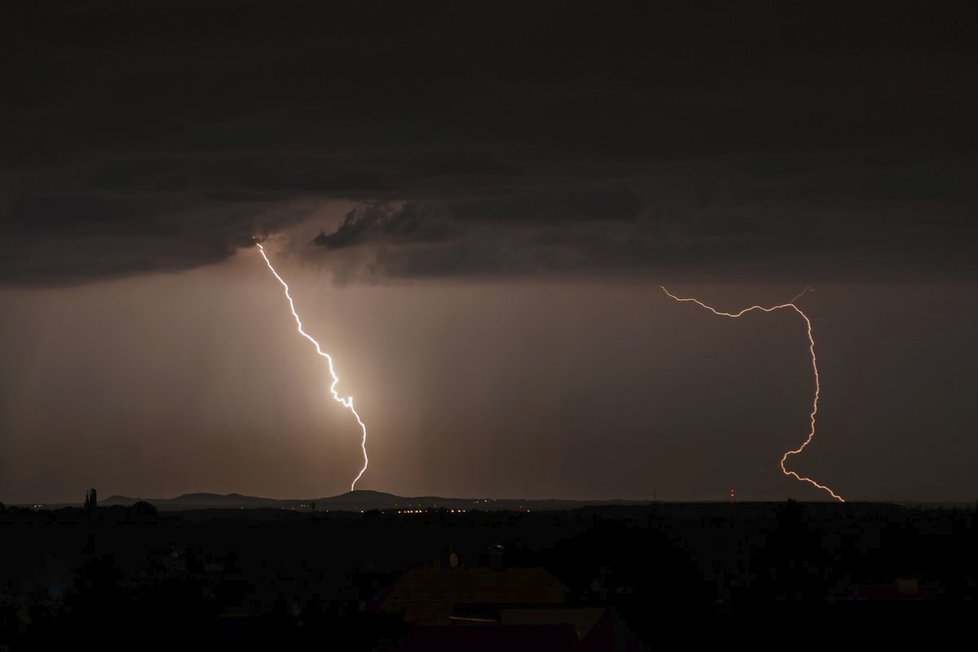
96 599
142 512
792 566
9 624
91 500
312 616
278 621
632 567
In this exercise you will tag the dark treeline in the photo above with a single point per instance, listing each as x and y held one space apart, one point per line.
131 577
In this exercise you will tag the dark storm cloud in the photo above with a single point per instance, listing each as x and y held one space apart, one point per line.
429 221
378 222
492 138
877 221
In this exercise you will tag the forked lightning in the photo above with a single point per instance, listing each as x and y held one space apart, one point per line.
347 401
790 305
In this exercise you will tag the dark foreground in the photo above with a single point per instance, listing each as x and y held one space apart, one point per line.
629 577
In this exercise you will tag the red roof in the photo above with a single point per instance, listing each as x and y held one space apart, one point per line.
491 638
428 595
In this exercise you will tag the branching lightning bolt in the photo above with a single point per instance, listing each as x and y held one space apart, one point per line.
790 305
347 401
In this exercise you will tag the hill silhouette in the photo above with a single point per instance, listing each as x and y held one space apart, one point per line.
354 501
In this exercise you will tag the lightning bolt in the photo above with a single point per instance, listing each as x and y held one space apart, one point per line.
347 401
790 305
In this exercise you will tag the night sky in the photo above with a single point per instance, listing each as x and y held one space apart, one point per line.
475 205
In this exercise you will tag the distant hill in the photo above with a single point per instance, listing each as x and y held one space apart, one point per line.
355 501
205 501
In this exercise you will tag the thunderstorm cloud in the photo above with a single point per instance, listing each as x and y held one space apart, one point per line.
624 138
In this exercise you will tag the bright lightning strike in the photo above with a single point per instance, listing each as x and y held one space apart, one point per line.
347 401
790 305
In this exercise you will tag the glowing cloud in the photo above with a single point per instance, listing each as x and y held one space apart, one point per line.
347 401
790 305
